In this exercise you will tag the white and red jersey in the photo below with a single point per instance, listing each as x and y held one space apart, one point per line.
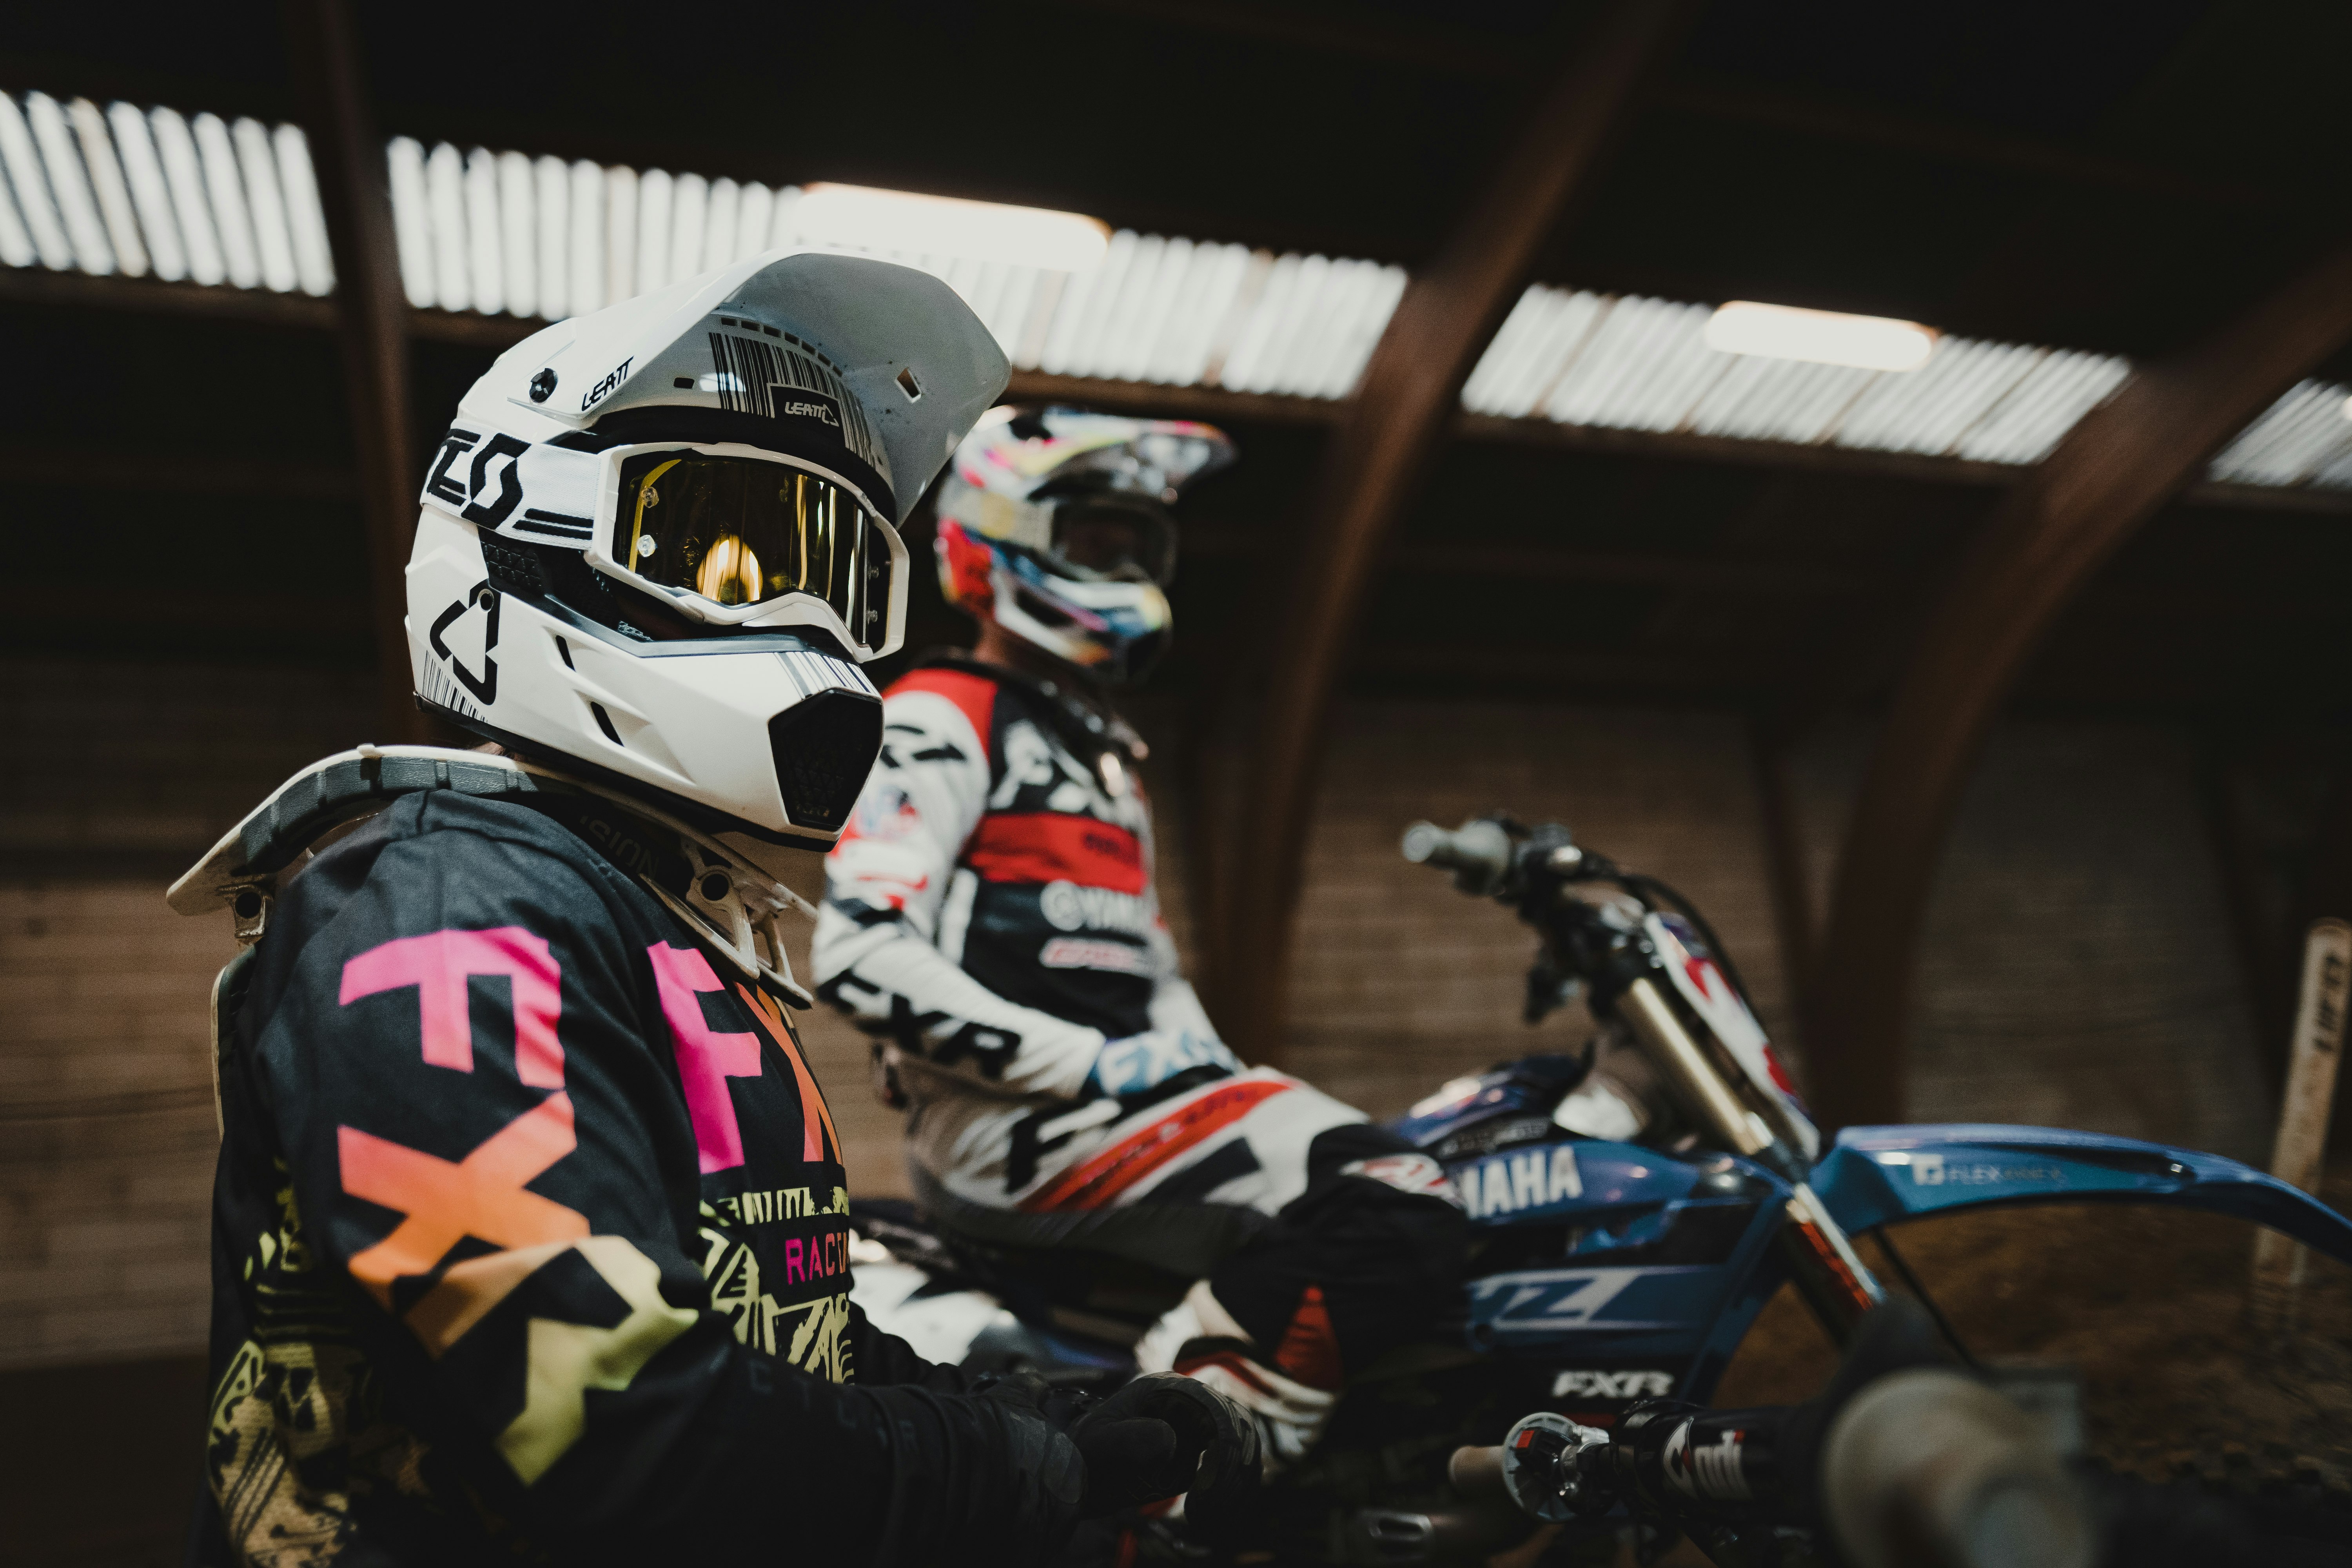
990 917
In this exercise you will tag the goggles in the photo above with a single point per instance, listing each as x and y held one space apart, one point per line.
739 538
1110 539
1096 536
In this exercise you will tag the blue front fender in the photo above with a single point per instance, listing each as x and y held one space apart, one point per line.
1877 1175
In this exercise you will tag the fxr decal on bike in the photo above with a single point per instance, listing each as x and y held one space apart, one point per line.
1580 1383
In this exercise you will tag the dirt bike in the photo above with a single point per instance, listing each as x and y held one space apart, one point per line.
1905 1458
1603 1274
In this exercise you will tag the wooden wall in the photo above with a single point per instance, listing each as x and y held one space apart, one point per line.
2078 967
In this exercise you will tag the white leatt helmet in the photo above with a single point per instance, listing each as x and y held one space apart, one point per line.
659 539
1020 535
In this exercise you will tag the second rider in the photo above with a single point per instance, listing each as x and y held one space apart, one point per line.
991 918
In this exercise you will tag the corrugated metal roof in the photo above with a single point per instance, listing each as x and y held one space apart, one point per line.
1628 362
153 192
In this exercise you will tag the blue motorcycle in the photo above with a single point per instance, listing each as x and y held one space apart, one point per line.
1603 1273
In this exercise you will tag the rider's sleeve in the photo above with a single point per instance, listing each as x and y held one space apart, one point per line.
1175 1006
891 904
459 1059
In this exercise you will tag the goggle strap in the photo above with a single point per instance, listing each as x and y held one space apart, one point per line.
526 490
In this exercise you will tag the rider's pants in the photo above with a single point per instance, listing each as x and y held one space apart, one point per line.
1304 1218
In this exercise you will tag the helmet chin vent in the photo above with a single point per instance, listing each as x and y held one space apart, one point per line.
825 747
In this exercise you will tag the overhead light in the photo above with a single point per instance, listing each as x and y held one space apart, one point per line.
1823 337
864 218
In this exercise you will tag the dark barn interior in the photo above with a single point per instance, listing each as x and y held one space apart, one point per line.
2005 739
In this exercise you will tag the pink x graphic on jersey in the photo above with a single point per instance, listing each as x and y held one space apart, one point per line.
706 1057
439 964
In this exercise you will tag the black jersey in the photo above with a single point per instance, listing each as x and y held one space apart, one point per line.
530 1235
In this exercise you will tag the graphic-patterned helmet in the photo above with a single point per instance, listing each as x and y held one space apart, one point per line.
1056 521
659 538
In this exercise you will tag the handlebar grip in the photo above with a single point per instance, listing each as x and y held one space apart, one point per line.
1478 853
1928 1466
1478 1474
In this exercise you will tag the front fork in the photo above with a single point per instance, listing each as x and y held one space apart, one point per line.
1828 1273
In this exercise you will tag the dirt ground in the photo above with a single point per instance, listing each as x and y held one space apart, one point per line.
2149 1305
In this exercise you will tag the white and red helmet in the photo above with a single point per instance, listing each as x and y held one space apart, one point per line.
658 540
1056 521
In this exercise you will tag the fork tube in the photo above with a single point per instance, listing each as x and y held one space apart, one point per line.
1835 1282
1702 1089
1831 1275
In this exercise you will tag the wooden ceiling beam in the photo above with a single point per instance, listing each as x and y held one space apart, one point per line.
372 315
2044 541
1402 411
41 288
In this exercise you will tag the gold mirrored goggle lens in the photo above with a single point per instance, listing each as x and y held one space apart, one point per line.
737 531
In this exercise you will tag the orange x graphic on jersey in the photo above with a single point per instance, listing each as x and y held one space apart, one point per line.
446 1201
812 1106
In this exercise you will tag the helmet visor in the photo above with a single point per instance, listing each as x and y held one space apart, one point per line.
1109 539
739 532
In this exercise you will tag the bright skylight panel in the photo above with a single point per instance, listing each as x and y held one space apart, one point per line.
860 218
552 181
273 240
227 193
518 234
587 248
314 260
412 219
76 203
503 232
486 258
621 233
1822 337
106 180
653 192
445 186
24 163
186 178
150 197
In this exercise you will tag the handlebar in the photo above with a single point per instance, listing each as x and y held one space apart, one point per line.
1478 853
1929 1462
1904 1462
1643 957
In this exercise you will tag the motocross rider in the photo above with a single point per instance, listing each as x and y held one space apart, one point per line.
991 919
529 1224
